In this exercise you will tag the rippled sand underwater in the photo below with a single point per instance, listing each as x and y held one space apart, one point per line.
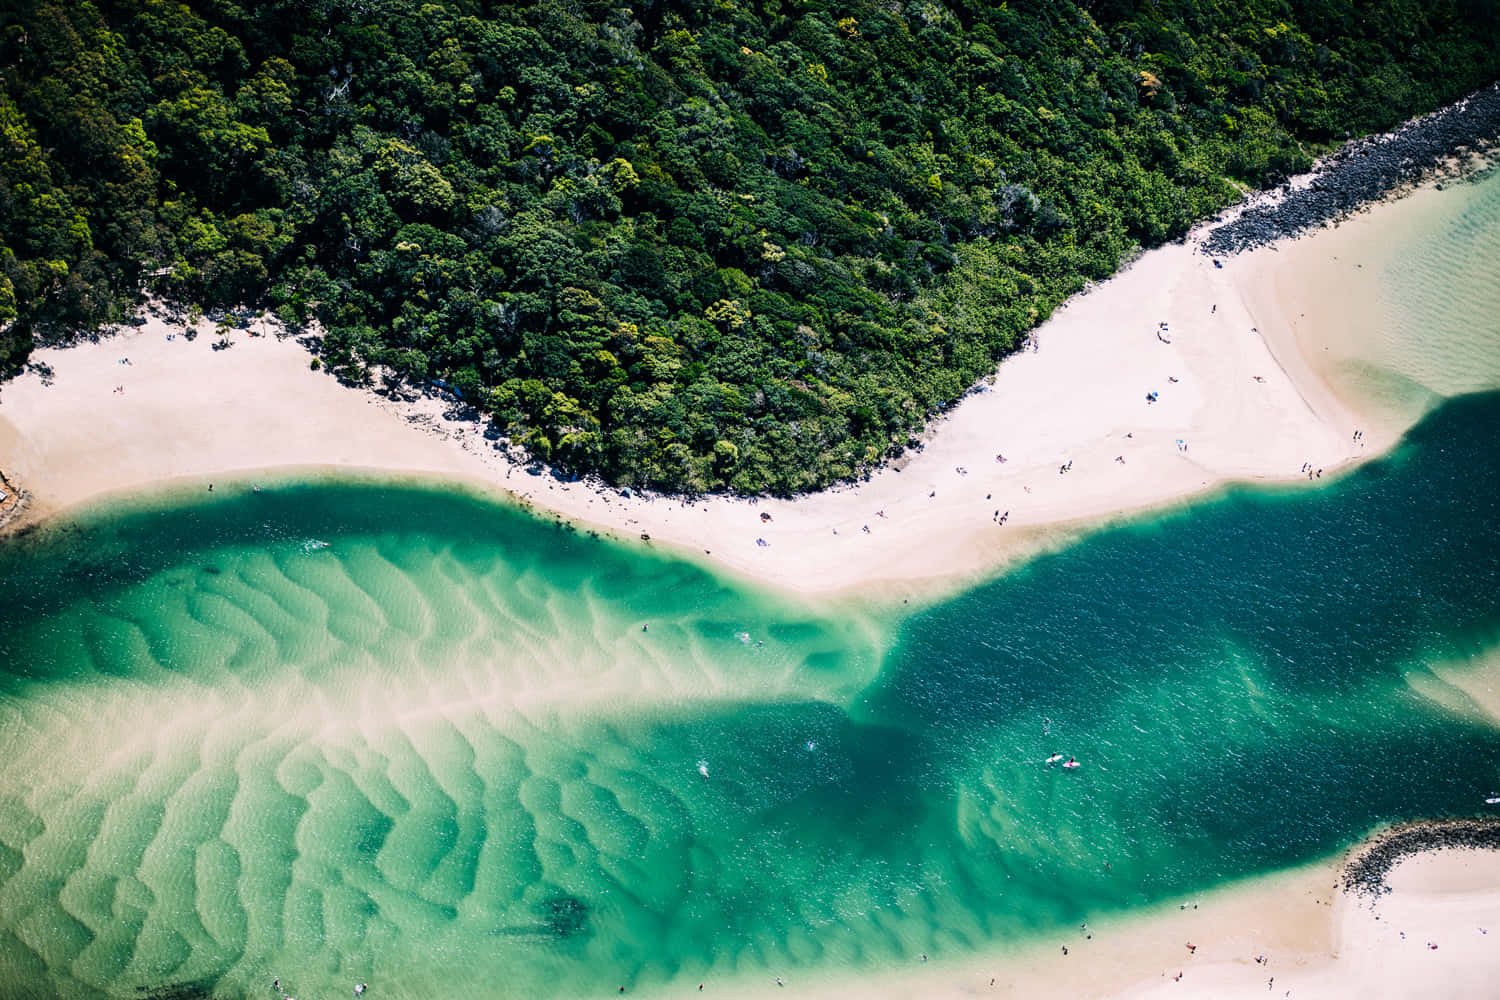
286 739
337 733
1443 293
1405 300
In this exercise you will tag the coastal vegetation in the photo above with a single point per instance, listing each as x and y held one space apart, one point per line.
726 245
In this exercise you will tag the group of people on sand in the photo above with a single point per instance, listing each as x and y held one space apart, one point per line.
120 389
1000 518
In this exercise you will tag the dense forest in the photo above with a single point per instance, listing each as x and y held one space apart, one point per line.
706 245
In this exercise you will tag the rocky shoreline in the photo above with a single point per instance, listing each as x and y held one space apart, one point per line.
1365 873
1366 171
13 501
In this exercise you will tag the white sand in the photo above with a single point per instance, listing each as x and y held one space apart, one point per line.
1252 401
1450 899
187 410
1316 943
1278 358
1245 406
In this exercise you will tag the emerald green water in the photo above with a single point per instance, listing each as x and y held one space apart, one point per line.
229 752
338 732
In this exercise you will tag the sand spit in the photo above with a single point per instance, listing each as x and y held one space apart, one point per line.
1183 373
1158 385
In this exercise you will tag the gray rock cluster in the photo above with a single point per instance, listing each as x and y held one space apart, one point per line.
1365 874
1365 171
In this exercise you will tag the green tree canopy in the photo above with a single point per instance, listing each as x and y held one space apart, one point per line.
698 246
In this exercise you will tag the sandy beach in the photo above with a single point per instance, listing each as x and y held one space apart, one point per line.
1272 368
1430 936
1061 438
1290 934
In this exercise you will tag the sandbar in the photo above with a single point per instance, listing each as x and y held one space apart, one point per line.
1258 366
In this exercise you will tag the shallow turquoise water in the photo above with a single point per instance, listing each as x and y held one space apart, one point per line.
230 751
1440 294
331 732
1412 297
